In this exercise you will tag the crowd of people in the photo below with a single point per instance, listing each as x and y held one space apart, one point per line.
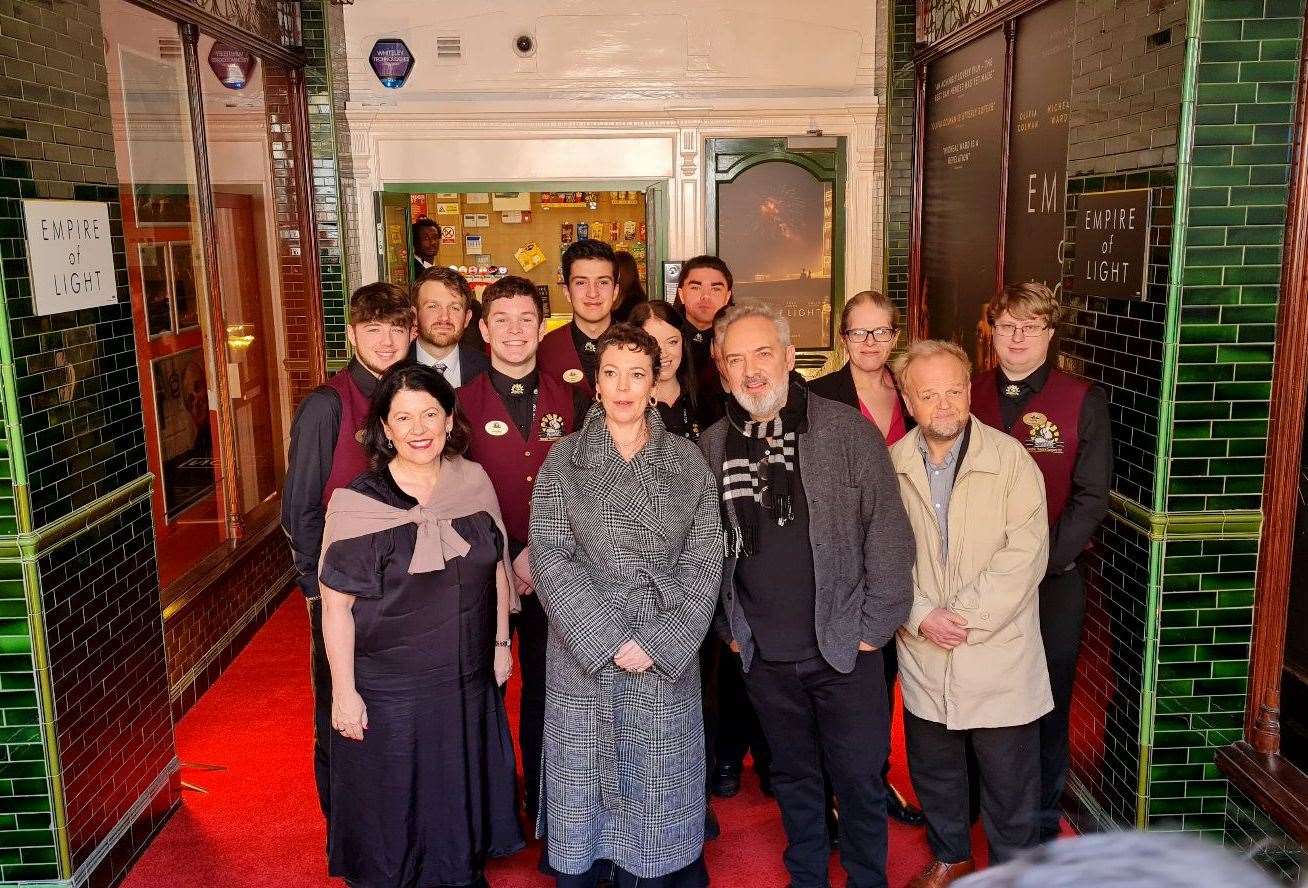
698 555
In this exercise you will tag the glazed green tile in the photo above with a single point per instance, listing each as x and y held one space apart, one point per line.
1269 175
1224 617
1170 671
1275 92
1225 94
1230 669
1265 216
1256 234
1269 113
1212 115
1272 28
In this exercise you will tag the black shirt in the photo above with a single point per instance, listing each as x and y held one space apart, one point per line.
777 588
679 419
1092 476
308 466
587 352
519 397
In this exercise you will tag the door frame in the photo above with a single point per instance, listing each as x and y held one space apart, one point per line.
758 151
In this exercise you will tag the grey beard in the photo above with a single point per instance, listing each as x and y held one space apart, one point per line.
766 404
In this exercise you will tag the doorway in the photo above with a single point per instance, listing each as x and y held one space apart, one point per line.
489 230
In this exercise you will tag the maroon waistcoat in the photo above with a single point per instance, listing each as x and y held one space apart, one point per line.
511 462
348 459
557 358
1047 428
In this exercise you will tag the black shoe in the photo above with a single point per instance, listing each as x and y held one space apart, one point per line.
898 808
711 828
726 782
833 828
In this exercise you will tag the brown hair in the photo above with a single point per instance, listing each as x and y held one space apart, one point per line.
406 377
382 301
454 281
1029 300
507 288
873 298
631 338
928 348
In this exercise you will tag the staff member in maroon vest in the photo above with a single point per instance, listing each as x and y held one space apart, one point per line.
704 289
516 414
590 275
1063 422
327 453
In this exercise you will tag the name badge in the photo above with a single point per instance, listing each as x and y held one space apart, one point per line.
497 428
573 376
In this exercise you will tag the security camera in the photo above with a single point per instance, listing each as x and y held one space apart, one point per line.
524 45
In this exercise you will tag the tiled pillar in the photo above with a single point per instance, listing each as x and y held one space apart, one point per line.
87 769
1206 124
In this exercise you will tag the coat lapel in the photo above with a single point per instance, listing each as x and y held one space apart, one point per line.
611 475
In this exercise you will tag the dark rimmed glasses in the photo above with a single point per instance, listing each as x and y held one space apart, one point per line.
880 334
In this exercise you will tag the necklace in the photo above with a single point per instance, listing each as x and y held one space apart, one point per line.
633 444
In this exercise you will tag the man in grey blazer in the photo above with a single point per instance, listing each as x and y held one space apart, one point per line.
818 577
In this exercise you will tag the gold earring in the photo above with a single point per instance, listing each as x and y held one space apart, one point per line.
597 398
653 400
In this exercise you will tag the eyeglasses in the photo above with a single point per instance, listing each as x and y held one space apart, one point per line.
880 334
1008 331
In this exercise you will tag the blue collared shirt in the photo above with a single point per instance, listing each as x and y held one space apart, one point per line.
940 478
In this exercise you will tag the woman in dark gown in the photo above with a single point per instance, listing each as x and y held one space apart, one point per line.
422 765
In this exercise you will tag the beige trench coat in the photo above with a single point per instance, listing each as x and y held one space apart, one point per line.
998 549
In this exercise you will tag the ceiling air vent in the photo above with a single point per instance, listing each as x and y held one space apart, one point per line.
449 49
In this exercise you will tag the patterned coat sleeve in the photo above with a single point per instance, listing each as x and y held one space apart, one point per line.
674 636
591 627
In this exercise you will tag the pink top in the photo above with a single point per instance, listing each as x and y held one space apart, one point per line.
897 427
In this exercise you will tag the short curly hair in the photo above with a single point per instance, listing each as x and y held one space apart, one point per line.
633 339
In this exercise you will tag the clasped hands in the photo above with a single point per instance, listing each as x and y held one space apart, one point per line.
944 628
631 657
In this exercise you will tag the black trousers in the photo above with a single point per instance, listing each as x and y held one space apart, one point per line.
1062 614
1008 763
815 716
321 675
710 658
738 730
533 632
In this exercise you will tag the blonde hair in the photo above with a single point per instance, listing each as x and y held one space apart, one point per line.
928 348
1029 300
873 299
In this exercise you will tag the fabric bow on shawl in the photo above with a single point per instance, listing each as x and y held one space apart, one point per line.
462 489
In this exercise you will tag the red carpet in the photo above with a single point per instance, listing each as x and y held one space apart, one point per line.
257 823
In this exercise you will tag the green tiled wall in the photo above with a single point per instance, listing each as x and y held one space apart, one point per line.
314 27
1251 831
900 120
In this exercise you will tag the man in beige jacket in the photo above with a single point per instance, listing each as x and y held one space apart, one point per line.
972 666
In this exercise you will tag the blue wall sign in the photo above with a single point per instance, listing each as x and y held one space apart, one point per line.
391 61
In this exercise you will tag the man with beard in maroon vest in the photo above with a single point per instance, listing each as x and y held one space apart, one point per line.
325 454
590 275
1063 422
517 413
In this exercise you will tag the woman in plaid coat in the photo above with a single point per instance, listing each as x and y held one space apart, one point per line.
626 552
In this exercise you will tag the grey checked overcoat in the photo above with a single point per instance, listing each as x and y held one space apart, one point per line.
624 551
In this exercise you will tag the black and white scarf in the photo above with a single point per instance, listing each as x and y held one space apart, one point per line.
759 460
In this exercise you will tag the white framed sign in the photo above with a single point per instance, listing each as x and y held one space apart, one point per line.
69 255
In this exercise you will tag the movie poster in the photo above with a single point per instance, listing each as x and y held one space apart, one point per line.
181 403
961 188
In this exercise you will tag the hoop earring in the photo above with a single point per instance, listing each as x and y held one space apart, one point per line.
653 400
390 445
597 398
